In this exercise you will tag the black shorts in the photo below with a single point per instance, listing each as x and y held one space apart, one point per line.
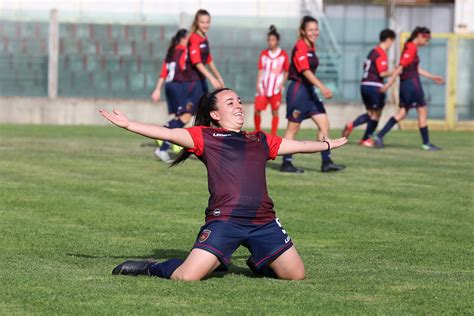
265 242
372 97
302 102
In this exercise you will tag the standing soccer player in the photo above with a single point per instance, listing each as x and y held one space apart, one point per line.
411 91
273 66
175 71
375 69
301 99
200 56
240 212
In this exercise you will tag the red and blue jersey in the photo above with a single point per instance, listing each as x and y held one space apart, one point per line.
199 52
176 68
374 65
235 163
409 60
303 58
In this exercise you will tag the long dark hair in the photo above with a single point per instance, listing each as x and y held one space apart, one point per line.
272 31
200 12
207 104
182 33
418 30
305 20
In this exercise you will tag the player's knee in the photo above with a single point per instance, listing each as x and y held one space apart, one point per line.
295 274
186 276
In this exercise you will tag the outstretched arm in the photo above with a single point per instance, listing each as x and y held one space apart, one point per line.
291 146
429 75
177 136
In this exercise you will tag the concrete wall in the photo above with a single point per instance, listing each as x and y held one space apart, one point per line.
72 111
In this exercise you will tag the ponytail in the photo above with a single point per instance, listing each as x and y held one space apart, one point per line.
174 42
418 30
272 31
207 104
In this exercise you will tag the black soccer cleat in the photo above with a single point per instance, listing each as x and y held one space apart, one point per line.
131 267
331 166
378 142
288 167
251 265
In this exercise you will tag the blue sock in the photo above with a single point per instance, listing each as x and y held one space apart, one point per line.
424 135
287 158
387 127
364 118
326 156
370 129
174 123
165 269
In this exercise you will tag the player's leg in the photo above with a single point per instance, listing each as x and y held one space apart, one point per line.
260 103
289 266
271 250
423 126
290 133
198 265
378 138
322 122
275 101
374 115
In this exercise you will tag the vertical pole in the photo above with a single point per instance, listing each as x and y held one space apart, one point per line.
452 77
53 51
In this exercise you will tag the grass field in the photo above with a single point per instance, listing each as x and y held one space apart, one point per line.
392 234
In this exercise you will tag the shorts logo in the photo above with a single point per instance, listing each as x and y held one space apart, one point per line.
252 137
217 212
189 106
221 135
204 235
296 114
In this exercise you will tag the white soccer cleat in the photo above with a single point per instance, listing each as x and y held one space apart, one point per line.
163 155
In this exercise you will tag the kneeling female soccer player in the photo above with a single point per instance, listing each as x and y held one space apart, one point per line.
240 212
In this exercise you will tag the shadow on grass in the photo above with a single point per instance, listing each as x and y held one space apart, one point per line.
276 166
164 254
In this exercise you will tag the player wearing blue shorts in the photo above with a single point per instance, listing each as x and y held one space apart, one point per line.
375 69
302 102
200 56
411 91
176 74
239 212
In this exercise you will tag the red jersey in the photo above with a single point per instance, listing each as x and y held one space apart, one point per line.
272 66
235 163
199 52
176 68
302 58
409 60
374 65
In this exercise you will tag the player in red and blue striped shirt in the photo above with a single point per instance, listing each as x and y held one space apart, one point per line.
176 74
239 212
411 91
375 70
302 101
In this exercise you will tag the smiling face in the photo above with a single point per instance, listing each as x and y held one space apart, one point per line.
310 32
230 112
203 23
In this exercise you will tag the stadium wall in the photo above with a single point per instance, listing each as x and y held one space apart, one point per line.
84 111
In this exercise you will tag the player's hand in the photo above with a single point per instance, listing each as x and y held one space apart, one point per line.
215 83
116 117
156 95
438 79
335 143
384 88
327 93
222 83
